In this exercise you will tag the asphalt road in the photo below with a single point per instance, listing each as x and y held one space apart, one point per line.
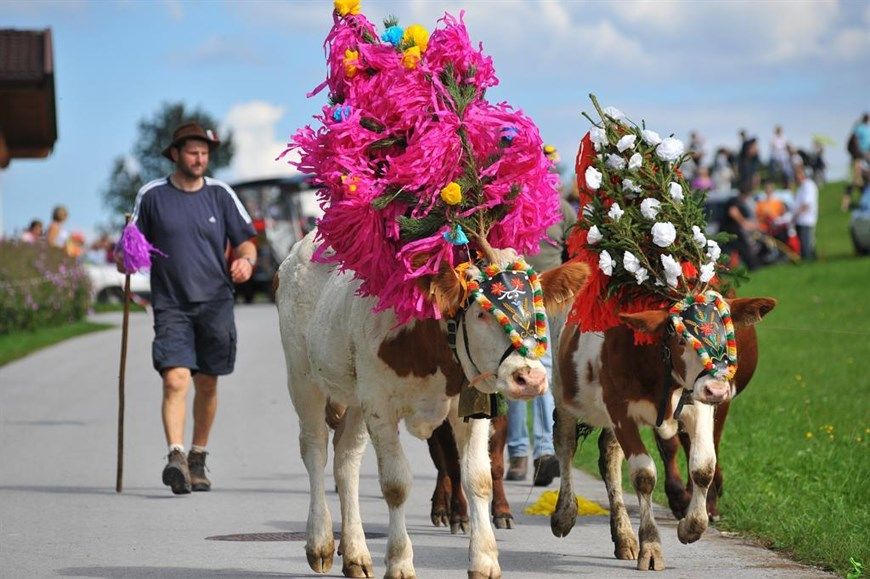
60 515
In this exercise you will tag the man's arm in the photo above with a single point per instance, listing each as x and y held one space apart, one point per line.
242 267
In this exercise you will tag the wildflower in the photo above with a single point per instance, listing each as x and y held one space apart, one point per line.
594 235
635 162
345 7
393 35
351 62
809 435
411 57
598 136
670 149
452 193
650 137
672 269
698 237
630 262
593 178
649 208
675 190
626 142
605 262
664 233
615 212
416 35
708 270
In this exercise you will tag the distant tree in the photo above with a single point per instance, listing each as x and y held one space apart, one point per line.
153 134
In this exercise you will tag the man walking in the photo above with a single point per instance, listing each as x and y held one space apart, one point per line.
190 218
806 214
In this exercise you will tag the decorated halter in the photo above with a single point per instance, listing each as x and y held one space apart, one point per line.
513 296
704 322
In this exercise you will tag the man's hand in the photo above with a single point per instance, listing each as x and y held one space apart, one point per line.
241 270
119 261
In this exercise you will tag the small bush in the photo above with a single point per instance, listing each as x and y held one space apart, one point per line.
40 286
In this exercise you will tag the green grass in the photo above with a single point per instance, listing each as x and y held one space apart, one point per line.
19 344
104 308
794 453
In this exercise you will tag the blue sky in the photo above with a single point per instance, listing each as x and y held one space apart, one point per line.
710 66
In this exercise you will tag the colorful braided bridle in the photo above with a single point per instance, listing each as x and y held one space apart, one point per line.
724 312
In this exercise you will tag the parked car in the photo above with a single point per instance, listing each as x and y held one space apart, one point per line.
859 224
283 210
107 284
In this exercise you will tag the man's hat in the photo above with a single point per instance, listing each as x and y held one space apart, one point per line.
192 130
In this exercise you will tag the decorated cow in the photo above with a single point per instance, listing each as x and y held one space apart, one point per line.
397 308
650 340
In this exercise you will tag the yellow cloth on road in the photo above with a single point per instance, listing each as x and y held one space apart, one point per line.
546 505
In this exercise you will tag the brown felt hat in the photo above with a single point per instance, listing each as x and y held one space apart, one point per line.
192 130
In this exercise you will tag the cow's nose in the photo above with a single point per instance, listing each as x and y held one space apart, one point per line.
715 392
528 383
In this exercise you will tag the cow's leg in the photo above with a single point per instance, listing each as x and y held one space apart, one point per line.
472 441
501 510
350 444
453 499
610 459
698 424
716 486
395 478
309 402
675 488
643 478
440 512
565 440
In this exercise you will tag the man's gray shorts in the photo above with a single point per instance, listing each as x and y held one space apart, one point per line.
199 336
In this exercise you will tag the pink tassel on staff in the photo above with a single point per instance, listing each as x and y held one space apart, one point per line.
137 250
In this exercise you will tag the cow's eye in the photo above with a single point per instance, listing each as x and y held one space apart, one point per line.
481 315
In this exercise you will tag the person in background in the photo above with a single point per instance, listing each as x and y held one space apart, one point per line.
817 162
191 218
722 171
748 164
780 158
56 235
546 465
33 233
769 209
738 220
702 180
806 213
858 147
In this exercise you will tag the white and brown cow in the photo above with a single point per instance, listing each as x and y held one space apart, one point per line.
336 347
605 380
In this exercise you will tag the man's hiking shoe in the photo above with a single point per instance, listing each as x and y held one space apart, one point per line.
176 475
546 469
198 480
517 468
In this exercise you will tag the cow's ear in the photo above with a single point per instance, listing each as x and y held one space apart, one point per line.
749 311
650 321
444 289
561 285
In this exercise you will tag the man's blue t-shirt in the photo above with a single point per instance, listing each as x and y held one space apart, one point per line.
192 229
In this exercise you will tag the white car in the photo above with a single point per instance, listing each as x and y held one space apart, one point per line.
107 284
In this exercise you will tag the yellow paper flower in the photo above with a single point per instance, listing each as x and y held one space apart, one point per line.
452 194
416 35
411 57
546 505
351 62
345 7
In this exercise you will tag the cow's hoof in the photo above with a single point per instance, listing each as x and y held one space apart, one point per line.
650 558
399 574
562 523
479 575
503 521
320 559
357 569
690 529
440 518
626 549
459 527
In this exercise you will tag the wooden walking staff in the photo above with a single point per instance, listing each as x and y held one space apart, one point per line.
119 474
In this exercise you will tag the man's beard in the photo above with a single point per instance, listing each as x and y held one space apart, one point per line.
189 172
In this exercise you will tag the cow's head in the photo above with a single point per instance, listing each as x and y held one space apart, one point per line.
498 321
701 332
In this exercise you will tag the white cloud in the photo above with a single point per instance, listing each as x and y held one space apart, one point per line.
256 146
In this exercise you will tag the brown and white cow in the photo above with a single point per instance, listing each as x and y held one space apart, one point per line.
605 380
679 493
337 347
